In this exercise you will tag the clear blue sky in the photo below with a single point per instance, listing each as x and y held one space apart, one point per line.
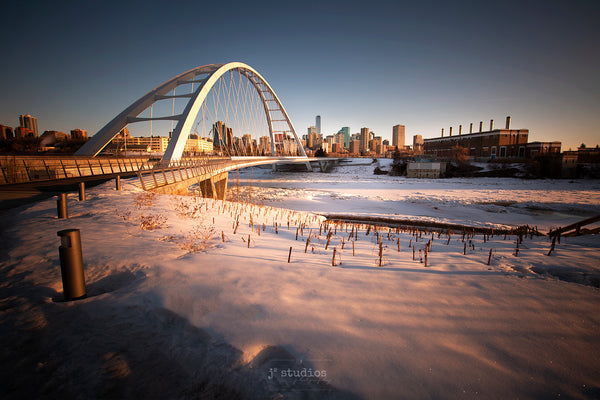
424 64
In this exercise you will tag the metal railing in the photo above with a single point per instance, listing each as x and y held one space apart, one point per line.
159 175
151 172
26 169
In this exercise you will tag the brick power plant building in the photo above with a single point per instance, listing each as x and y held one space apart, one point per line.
486 145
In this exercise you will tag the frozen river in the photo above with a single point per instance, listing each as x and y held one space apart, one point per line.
352 188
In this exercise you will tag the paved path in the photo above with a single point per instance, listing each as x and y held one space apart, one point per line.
12 196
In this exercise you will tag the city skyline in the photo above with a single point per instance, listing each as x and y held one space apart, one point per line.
438 66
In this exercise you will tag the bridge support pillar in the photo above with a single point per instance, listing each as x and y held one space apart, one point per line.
323 165
207 188
215 187
81 191
221 185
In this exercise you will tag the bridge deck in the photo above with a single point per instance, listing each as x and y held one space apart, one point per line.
57 171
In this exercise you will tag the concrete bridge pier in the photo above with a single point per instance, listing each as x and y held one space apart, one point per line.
215 187
326 164
323 165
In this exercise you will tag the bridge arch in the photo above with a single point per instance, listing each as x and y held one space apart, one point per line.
212 73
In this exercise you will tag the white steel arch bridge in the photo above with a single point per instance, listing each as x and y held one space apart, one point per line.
232 104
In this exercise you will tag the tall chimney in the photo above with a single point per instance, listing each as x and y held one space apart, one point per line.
491 124
480 126
442 132
508 122
450 131
471 127
460 129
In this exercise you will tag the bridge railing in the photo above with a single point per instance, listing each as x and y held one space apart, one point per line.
26 169
157 175
151 172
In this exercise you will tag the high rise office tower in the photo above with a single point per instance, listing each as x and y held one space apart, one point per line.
364 139
222 136
398 139
29 122
318 123
312 138
354 147
346 131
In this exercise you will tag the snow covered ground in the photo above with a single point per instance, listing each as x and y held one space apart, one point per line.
203 301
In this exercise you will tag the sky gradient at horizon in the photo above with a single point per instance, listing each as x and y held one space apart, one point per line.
427 65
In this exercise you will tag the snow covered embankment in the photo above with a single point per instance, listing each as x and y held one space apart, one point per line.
198 305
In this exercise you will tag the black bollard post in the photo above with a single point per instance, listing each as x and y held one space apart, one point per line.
71 264
61 205
81 191
118 182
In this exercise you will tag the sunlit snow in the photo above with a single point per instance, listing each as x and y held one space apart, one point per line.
210 296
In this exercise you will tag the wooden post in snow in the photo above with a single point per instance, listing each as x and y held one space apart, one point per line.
552 246
328 239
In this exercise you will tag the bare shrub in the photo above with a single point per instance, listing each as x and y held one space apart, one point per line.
144 199
144 219
460 154
125 215
187 209
197 239
151 222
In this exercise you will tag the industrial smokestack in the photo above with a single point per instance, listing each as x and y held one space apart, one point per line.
450 131
491 124
480 126
508 122
460 129
471 127
442 132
